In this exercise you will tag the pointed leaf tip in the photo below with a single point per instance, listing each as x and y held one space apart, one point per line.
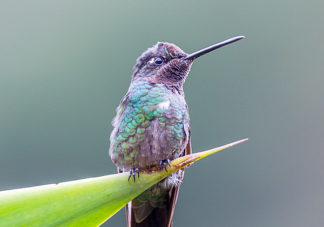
189 159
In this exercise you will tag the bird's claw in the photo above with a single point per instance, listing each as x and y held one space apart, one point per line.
164 164
133 172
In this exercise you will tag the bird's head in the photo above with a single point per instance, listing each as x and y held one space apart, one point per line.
168 64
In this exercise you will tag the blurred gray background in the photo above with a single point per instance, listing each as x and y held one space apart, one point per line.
65 65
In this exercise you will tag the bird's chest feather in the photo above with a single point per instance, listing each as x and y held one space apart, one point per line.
150 126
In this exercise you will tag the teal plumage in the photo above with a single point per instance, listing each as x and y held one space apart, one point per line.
148 108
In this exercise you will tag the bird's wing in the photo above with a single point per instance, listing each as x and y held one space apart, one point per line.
174 191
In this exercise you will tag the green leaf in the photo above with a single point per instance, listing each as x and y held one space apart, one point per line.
87 202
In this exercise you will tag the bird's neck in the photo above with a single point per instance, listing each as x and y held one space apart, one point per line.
176 88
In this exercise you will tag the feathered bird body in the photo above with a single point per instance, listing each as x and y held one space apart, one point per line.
152 126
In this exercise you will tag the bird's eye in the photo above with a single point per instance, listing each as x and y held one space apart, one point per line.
158 61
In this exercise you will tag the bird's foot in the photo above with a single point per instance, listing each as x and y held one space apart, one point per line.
164 164
133 172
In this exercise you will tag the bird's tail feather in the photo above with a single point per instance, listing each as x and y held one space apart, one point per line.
150 214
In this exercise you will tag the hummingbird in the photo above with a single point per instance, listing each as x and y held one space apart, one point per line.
152 127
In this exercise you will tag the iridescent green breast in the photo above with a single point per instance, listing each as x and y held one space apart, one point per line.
150 126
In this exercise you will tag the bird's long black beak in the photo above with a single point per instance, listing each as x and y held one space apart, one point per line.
212 47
